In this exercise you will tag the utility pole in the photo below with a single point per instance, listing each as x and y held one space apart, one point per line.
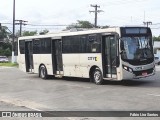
96 11
20 23
147 23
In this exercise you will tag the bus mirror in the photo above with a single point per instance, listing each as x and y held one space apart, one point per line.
122 45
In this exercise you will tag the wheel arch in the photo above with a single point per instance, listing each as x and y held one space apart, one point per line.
93 68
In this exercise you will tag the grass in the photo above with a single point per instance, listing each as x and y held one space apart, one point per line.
9 64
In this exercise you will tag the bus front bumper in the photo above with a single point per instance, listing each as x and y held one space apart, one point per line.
138 74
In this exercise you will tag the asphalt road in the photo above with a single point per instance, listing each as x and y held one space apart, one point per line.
27 91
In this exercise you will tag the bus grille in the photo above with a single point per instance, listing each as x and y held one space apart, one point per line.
140 73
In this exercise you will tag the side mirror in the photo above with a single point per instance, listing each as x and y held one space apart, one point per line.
122 46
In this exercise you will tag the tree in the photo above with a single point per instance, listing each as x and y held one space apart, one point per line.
4 34
85 24
29 33
7 52
80 24
43 32
5 49
156 38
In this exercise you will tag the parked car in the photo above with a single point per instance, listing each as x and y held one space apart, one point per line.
3 59
156 60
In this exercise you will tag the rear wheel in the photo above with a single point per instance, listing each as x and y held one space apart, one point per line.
97 76
43 72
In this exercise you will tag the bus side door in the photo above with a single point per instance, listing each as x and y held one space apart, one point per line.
109 56
29 56
57 56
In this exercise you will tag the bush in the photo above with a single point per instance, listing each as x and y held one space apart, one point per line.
5 52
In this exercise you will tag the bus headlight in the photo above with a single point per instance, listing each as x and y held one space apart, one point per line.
127 68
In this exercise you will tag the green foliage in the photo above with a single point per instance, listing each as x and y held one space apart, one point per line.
9 64
85 24
80 24
29 33
5 49
7 52
3 33
6 45
156 38
43 32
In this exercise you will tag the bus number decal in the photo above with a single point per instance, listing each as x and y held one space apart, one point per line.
93 58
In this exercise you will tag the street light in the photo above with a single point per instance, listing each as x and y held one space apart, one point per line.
13 37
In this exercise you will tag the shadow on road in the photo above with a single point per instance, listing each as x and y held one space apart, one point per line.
139 82
126 82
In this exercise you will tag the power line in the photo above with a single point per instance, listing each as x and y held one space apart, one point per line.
156 28
124 2
7 23
156 24
20 23
40 24
45 25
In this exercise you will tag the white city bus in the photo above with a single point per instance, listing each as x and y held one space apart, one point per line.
115 53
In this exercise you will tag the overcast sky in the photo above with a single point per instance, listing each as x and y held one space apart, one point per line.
64 12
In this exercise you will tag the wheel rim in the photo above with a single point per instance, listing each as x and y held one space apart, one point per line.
97 76
42 72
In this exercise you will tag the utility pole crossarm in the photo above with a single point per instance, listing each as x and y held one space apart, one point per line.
96 11
147 23
20 22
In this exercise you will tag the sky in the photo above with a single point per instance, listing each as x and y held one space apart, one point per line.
65 12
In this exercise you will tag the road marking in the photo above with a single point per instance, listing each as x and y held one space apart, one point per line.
156 95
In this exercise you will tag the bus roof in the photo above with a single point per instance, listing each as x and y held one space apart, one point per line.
68 33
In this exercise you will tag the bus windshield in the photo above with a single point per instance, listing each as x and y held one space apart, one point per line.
136 48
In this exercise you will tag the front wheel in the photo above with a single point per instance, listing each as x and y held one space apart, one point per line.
97 76
43 72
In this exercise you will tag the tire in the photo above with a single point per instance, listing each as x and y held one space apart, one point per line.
97 76
43 72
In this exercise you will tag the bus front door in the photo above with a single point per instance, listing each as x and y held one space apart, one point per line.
57 57
109 56
29 56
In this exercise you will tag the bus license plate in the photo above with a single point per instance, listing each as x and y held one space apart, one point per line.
144 73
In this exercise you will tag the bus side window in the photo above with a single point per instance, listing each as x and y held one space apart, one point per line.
46 45
94 44
36 47
83 40
72 44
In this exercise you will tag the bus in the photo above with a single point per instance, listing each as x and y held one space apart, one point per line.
115 53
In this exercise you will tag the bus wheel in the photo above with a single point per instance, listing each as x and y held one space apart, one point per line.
43 72
97 76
